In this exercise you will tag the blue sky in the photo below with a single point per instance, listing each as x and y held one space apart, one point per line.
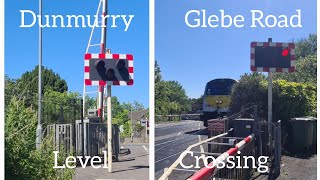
196 56
64 48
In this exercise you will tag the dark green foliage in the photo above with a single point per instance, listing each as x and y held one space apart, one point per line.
50 81
251 89
290 99
196 103
157 73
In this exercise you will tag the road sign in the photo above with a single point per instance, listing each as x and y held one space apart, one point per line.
108 69
216 125
144 122
272 57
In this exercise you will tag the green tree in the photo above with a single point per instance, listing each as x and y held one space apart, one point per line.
91 103
50 80
306 62
196 103
306 71
306 46
10 89
250 89
171 98
157 73
61 107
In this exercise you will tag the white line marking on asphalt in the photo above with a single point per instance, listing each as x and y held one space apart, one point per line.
179 133
201 147
145 148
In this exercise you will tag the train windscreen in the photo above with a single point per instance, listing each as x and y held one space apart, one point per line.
220 87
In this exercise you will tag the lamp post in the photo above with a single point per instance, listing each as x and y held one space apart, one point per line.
39 126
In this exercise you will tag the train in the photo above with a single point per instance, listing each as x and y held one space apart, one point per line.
216 99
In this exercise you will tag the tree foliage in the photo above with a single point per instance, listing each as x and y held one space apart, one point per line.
157 73
306 46
290 99
251 89
306 62
22 160
196 103
170 96
50 81
120 113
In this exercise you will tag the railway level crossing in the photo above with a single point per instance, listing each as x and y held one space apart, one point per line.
237 149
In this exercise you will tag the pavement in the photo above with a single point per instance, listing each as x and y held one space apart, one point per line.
134 166
298 168
171 140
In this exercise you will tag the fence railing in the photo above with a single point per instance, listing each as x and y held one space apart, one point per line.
60 112
174 166
169 118
246 147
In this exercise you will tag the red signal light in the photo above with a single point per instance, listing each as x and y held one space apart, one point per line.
285 52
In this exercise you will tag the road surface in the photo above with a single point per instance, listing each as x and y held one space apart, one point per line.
173 138
134 166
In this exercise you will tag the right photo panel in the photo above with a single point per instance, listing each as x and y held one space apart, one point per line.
235 90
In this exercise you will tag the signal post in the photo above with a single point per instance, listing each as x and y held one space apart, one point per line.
272 57
106 69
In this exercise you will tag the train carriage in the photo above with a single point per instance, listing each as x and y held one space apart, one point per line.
216 99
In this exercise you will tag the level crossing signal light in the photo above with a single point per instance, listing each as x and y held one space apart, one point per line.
108 69
272 57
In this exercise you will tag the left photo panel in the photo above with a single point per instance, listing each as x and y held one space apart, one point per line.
76 89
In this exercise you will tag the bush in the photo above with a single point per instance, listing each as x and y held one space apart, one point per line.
290 99
22 159
251 89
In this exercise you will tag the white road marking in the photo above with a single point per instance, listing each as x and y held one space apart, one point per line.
179 133
201 147
145 148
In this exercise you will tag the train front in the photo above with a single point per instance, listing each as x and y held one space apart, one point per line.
216 99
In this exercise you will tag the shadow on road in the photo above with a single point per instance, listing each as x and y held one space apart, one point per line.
132 168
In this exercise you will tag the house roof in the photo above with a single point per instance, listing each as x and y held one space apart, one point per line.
138 115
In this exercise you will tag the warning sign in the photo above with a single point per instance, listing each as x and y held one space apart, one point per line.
216 125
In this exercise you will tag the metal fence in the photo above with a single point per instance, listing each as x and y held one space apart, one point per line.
170 118
68 138
240 160
269 144
63 136
54 112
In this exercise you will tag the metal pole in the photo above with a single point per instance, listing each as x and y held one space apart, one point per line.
269 93
100 110
102 51
269 97
82 132
269 102
131 123
109 123
39 126
84 100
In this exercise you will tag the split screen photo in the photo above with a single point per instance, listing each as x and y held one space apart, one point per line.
159 89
